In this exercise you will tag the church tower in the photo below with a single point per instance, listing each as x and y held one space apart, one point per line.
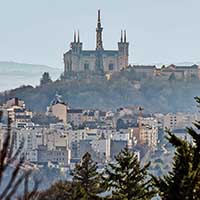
123 47
98 60
76 45
99 45
72 61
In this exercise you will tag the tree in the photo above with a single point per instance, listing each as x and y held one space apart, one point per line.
12 178
45 78
172 77
183 182
127 179
87 179
61 190
163 67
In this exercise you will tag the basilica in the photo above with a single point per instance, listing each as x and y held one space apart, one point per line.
99 59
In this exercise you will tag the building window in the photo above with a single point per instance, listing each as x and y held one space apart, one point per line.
111 66
86 66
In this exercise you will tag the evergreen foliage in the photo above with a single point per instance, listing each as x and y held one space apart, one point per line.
61 190
172 77
183 182
87 179
45 79
127 179
13 179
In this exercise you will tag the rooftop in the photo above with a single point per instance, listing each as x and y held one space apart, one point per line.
75 111
57 100
144 67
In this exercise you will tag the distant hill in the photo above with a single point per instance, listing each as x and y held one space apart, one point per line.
122 90
13 74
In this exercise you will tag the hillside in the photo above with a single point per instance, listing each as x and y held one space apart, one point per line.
122 90
13 75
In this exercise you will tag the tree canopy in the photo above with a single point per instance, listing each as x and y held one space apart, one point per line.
127 179
87 179
183 181
45 79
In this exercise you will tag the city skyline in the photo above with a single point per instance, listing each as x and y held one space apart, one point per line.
159 32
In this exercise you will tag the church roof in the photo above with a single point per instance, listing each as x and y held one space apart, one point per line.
144 66
93 52
57 100
111 52
105 52
88 52
179 68
75 111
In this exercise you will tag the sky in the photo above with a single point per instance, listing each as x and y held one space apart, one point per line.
159 31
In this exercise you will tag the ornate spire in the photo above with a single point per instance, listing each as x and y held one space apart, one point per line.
121 40
99 16
99 29
124 35
78 37
74 36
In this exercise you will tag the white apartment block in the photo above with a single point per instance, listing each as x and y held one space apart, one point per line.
42 144
102 148
179 120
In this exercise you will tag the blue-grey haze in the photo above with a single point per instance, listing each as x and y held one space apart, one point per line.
14 75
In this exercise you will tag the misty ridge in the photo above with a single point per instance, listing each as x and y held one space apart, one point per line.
14 74
124 88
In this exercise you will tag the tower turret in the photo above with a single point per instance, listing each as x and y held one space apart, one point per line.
76 45
124 36
121 40
74 36
123 47
126 45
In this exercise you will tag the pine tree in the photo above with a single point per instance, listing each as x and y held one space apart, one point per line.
127 179
87 179
45 78
61 190
13 179
172 77
183 182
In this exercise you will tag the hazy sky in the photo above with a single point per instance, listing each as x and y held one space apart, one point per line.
159 31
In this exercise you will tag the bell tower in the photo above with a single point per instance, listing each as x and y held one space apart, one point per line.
76 45
123 47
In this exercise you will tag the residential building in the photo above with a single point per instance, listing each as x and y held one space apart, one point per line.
148 133
74 117
181 72
174 121
58 108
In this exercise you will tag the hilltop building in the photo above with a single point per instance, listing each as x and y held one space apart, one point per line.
98 60
181 72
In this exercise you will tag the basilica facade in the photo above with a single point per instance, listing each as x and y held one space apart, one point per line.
97 60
